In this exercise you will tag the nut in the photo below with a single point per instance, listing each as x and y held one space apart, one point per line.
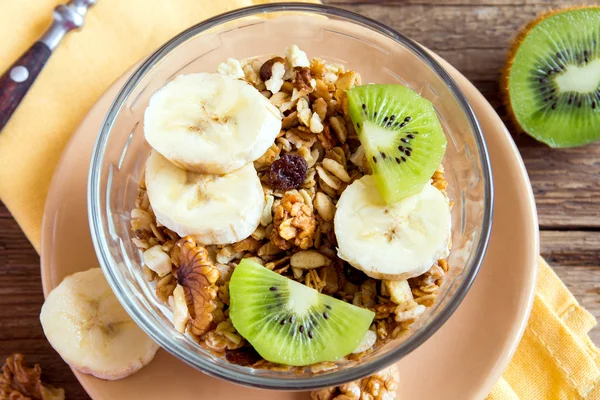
296 57
290 120
320 107
284 144
322 91
290 213
309 259
380 386
302 80
250 74
198 277
18 381
399 291
279 99
232 68
181 314
304 111
227 254
268 158
157 260
346 81
249 244
271 72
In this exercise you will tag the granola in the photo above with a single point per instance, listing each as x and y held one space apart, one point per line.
295 236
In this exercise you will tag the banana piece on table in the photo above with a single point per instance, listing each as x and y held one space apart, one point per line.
210 123
88 327
215 209
391 241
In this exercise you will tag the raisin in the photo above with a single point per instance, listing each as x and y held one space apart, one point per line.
266 70
244 356
354 275
288 172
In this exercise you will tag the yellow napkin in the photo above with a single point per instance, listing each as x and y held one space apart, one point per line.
116 35
555 360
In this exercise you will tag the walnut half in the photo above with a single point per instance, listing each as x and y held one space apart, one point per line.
197 276
19 382
380 386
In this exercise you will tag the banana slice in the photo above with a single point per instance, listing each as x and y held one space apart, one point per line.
396 241
86 325
215 209
210 123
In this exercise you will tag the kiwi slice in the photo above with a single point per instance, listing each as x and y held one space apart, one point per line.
552 78
401 134
289 323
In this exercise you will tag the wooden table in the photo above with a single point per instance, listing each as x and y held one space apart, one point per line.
474 37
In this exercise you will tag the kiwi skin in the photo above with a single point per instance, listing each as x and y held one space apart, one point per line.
512 52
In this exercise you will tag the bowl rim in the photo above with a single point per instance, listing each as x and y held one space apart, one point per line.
203 363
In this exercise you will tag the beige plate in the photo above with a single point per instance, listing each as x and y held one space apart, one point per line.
461 361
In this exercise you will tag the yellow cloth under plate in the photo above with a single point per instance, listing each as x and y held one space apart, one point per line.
555 360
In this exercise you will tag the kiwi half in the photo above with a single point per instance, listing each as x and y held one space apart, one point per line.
289 323
401 134
552 77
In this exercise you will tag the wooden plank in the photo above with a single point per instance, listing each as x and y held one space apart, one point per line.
566 184
571 248
475 40
20 301
474 37
575 257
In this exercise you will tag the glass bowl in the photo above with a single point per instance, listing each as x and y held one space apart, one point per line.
380 55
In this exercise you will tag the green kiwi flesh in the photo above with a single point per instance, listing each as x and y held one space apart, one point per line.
403 140
554 78
289 323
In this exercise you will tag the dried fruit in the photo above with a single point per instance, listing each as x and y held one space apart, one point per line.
288 172
197 275
354 275
266 70
244 356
